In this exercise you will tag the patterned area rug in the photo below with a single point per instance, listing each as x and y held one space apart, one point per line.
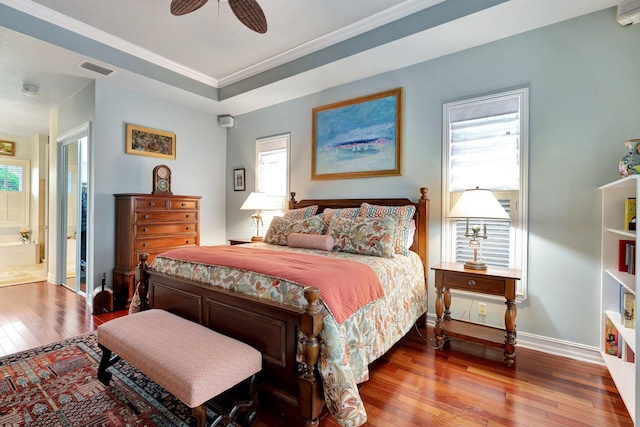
57 385
10 276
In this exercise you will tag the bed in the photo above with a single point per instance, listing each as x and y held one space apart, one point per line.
314 354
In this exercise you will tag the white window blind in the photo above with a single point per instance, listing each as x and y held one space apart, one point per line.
14 193
272 177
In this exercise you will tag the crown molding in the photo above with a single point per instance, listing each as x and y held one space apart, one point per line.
392 14
63 21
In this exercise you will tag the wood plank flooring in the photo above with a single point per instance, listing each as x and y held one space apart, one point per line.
412 385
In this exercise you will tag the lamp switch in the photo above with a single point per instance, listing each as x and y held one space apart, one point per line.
482 309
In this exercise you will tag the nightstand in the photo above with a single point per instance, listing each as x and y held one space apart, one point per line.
493 281
239 241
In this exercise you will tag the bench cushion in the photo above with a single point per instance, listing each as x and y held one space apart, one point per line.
190 361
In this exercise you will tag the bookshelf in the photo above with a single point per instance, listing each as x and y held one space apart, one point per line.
614 282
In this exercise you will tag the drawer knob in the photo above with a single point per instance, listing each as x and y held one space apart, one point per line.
188 241
145 230
146 217
184 204
471 282
187 228
187 215
145 244
152 204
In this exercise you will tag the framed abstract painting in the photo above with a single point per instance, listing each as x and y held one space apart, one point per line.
150 142
358 138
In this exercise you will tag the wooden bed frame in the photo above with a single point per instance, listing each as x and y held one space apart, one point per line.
270 327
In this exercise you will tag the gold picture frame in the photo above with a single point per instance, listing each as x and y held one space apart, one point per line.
358 138
7 148
150 142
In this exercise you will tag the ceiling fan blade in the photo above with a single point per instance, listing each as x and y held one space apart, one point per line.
182 7
250 14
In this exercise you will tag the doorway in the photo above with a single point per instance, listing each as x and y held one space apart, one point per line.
73 189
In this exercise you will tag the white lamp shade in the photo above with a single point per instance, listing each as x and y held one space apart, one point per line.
257 202
478 203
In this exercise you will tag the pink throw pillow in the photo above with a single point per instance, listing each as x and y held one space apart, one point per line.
310 241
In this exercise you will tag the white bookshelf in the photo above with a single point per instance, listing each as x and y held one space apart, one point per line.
624 374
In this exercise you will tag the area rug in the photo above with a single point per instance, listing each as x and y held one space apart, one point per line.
57 385
10 276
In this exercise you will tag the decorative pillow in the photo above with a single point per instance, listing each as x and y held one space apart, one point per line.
330 213
403 216
412 232
310 241
365 236
302 213
280 227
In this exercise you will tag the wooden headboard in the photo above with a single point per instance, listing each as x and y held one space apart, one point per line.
421 237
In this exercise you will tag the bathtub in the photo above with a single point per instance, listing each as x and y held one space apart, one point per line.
17 253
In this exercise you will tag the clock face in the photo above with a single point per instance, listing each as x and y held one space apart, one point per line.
163 184
163 172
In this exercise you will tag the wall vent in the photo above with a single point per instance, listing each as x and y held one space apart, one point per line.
95 68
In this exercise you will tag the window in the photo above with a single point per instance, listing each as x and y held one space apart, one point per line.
485 145
14 193
272 174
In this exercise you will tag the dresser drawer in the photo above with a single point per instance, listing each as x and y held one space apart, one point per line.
143 244
174 216
475 283
184 204
141 203
158 229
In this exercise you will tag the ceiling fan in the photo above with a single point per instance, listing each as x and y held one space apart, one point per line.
248 12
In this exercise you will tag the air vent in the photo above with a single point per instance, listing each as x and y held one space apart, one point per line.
96 68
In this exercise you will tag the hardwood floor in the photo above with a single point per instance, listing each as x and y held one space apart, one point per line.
412 385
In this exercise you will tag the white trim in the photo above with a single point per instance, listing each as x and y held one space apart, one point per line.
554 346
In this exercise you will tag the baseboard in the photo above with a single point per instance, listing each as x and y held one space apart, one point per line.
51 278
570 350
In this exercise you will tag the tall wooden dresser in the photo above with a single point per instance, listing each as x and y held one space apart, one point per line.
152 224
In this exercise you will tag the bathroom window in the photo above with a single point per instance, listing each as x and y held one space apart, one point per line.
14 193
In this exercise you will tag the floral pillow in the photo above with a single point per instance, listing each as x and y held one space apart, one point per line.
402 215
364 236
330 213
281 227
302 213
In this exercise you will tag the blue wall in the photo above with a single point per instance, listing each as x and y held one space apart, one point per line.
584 102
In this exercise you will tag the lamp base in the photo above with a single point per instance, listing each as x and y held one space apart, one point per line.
256 239
475 265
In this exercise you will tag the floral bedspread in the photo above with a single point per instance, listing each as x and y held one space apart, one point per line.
347 349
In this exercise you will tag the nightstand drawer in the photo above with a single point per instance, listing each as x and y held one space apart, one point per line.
474 283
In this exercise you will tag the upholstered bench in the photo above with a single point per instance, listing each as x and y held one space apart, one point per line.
190 361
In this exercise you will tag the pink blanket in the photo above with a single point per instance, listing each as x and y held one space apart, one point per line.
345 286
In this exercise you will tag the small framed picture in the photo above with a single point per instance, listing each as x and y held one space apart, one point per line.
7 148
238 179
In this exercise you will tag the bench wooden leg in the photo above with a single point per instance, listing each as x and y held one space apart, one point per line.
107 360
200 414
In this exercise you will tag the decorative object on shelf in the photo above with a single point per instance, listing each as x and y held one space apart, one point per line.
161 180
150 142
257 202
7 148
477 204
248 12
238 180
630 163
358 138
25 235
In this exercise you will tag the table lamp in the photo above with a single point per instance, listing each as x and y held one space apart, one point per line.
477 204
257 202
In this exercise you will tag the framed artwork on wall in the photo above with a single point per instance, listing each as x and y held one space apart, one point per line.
358 138
238 180
7 148
150 142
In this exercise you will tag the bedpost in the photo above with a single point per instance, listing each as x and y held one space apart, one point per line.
423 245
292 200
142 284
310 397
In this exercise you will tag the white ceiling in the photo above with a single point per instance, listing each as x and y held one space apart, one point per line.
212 50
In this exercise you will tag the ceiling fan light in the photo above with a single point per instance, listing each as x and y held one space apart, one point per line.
182 7
250 14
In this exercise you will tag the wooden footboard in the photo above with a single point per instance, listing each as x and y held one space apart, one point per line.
272 328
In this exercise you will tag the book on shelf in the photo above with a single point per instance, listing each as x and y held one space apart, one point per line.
622 254
630 214
631 258
610 338
628 306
